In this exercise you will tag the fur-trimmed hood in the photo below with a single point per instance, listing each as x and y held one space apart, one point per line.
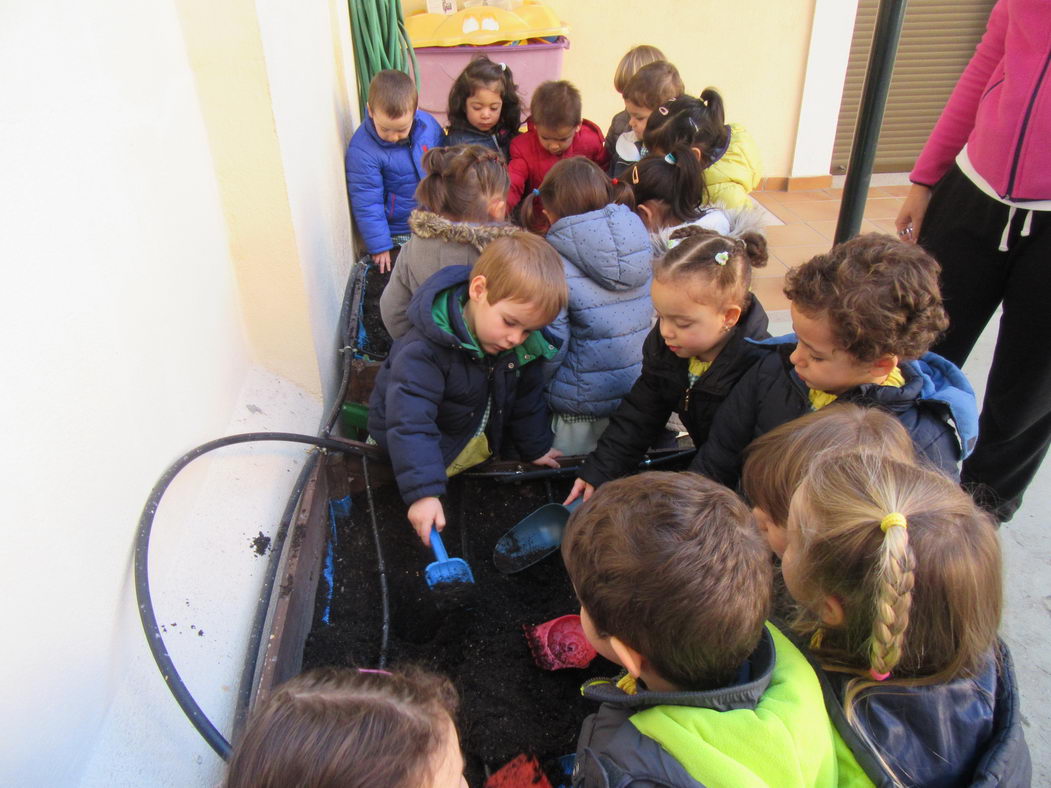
432 225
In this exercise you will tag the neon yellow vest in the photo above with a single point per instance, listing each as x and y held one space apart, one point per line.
785 741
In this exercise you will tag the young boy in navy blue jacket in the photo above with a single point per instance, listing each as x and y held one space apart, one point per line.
469 373
384 163
864 315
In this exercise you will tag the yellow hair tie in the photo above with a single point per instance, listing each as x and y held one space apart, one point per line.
893 520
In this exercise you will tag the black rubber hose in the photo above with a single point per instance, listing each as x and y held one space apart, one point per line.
348 315
509 477
381 565
142 583
348 318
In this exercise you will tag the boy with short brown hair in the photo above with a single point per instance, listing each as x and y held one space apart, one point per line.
555 131
468 373
674 584
384 163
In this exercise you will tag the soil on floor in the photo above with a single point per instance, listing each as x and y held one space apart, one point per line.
508 705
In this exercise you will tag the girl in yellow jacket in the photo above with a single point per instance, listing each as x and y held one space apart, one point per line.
727 151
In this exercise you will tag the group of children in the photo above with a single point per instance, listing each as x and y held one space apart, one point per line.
844 438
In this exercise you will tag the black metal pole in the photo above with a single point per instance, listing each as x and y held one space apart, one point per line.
889 19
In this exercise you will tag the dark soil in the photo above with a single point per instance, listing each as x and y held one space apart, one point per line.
473 635
377 341
260 544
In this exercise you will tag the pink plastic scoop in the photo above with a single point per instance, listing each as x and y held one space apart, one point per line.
560 643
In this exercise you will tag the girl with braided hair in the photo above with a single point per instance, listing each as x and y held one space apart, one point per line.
692 358
898 577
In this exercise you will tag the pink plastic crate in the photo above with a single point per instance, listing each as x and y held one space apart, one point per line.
531 64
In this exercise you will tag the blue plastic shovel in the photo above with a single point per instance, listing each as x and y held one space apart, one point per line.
535 537
446 571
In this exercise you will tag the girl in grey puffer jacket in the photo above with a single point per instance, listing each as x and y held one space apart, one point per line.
606 252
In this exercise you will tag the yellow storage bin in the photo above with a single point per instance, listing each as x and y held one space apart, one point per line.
483 25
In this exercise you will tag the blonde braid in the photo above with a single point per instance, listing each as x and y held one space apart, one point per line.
894 581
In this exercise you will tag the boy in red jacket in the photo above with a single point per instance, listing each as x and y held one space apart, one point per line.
555 131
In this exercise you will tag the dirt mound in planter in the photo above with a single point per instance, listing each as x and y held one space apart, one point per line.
508 705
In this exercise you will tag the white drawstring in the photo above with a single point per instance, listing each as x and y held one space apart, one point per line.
1007 229
1028 224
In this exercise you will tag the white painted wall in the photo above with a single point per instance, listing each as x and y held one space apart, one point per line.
124 347
310 65
826 69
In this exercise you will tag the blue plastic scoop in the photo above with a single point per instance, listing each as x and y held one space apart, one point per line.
535 537
446 571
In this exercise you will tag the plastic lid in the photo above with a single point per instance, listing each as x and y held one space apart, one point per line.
483 25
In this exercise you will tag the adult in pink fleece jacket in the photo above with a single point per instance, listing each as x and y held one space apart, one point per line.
981 204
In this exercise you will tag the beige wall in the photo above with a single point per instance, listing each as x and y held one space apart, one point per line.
175 229
753 51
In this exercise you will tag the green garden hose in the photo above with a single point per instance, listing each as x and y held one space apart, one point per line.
380 42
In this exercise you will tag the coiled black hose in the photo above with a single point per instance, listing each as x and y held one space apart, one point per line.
142 582
349 314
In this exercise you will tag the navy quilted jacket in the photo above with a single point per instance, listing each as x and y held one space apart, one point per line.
382 179
430 394
936 405
963 732
606 255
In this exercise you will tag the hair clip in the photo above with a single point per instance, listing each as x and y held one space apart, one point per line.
614 181
503 66
893 520
879 676
722 257
375 670
635 174
662 110
536 192
670 158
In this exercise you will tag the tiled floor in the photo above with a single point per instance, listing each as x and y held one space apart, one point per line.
802 224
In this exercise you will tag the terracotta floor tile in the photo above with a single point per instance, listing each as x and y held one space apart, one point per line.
807 195
882 208
827 227
816 210
833 194
782 212
774 268
791 256
896 191
769 292
793 235
883 226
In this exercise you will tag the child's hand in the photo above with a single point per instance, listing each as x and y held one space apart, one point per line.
382 261
579 486
549 459
425 514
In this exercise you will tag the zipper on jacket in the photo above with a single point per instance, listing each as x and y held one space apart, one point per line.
1025 126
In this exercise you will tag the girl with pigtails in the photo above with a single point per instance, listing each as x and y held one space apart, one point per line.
898 577
728 155
706 315
462 203
606 255
667 197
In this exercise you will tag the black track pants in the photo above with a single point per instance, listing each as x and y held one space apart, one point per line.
963 229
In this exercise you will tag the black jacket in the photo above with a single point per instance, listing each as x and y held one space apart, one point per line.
936 405
431 393
965 732
663 388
